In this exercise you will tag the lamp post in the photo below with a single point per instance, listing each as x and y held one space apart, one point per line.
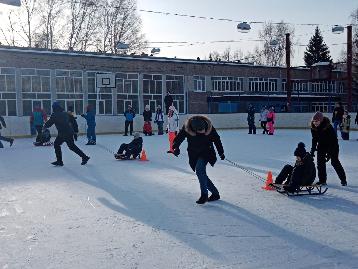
338 29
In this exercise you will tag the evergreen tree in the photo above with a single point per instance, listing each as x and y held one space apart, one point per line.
317 50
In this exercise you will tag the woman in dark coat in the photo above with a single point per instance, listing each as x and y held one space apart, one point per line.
201 136
325 142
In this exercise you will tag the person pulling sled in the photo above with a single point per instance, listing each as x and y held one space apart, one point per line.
201 136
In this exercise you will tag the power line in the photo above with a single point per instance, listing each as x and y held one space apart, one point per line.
224 19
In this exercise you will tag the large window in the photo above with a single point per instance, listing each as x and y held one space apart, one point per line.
263 85
127 91
325 87
36 90
175 85
7 92
152 91
69 89
297 85
322 106
227 84
199 84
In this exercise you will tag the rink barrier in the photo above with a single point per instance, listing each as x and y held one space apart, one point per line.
20 126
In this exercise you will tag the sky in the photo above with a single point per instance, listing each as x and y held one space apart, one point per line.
169 28
159 27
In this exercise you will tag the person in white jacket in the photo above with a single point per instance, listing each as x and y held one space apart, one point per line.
172 127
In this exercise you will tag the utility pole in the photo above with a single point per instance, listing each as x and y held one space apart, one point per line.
349 67
288 72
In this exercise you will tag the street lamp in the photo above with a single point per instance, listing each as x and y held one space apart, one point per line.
338 29
155 51
16 3
243 27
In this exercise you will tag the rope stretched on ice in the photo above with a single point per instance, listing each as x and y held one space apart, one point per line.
246 170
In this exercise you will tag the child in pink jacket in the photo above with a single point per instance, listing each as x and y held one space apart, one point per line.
271 116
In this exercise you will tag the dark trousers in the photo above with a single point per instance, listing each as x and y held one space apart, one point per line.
345 135
71 145
205 182
252 128
130 124
128 152
91 133
285 174
321 166
3 138
39 133
263 126
160 127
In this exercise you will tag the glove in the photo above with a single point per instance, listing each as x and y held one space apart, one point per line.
222 156
166 131
312 153
327 157
176 152
273 122
75 136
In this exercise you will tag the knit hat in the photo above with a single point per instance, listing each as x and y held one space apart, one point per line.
318 116
300 151
56 107
197 124
136 135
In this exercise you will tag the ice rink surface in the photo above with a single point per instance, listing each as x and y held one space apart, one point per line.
132 214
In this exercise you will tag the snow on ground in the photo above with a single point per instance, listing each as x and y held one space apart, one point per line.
131 214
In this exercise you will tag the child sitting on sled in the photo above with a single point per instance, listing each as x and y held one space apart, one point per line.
302 174
133 149
44 139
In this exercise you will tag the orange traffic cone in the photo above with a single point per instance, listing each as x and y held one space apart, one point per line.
143 156
268 182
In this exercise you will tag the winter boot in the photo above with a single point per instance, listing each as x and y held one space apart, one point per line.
203 199
57 163
11 142
85 160
214 197
344 183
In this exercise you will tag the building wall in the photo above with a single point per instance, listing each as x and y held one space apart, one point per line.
189 99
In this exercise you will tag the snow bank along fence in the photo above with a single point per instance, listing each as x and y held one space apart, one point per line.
20 126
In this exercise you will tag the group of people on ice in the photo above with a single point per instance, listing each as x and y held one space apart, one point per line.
267 120
202 136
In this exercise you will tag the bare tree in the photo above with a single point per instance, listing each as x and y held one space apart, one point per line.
81 23
120 24
50 12
270 54
8 30
29 9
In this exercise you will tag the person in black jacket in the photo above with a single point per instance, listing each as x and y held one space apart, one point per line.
133 149
325 142
337 116
251 119
168 101
3 138
62 121
302 174
73 122
201 135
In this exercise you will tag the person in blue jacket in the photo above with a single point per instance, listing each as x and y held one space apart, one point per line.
90 117
129 115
